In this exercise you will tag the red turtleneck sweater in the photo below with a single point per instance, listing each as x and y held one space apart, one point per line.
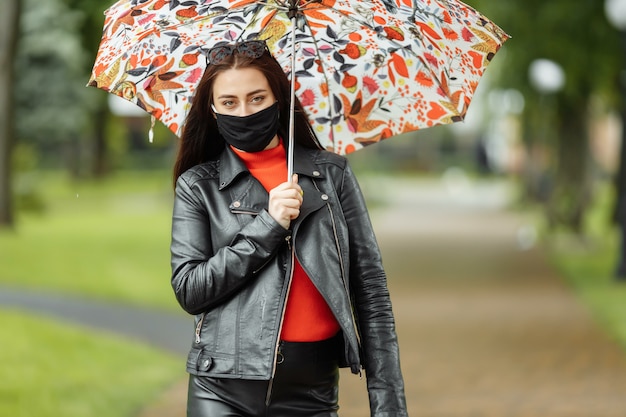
307 316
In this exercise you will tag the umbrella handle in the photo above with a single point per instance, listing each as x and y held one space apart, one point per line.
292 109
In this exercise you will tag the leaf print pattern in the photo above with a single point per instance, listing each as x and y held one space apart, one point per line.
365 71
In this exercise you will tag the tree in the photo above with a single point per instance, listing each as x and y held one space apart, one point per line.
9 29
90 35
50 101
581 41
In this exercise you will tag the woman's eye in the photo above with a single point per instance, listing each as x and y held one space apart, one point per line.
257 99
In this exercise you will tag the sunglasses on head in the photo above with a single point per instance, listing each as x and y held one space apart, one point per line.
250 49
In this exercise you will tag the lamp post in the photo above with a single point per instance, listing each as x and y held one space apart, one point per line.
615 11
547 78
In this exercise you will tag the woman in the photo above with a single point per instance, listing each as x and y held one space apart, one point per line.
284 277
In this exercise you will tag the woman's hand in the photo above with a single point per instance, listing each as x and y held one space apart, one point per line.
285 202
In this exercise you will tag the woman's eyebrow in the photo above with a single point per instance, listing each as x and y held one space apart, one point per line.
252 93
255 92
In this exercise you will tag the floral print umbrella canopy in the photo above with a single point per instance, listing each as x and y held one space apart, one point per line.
365 70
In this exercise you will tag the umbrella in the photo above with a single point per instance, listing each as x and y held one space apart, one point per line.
364 70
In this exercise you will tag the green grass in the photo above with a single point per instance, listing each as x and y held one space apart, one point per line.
107 240
589 264
52 370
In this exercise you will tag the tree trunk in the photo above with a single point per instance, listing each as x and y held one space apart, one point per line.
619 210
571 193
9 33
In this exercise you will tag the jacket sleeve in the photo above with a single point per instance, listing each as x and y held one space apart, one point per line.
203 276
372 305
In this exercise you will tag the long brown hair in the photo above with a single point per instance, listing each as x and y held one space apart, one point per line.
201 142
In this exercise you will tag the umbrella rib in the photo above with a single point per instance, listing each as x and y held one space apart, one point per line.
331 109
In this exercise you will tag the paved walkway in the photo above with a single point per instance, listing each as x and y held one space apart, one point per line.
486 327
172 334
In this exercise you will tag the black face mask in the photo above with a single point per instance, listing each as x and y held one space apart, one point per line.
249 133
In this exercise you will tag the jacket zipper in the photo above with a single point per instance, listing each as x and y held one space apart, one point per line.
199 328
277 347
343 272
345 284
343 276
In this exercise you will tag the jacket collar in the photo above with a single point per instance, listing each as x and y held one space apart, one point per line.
231 166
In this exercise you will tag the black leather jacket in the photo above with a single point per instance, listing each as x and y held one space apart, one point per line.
231 266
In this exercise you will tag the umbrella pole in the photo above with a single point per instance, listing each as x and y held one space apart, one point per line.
292 109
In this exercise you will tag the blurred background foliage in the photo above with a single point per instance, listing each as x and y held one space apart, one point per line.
563 128
58 123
